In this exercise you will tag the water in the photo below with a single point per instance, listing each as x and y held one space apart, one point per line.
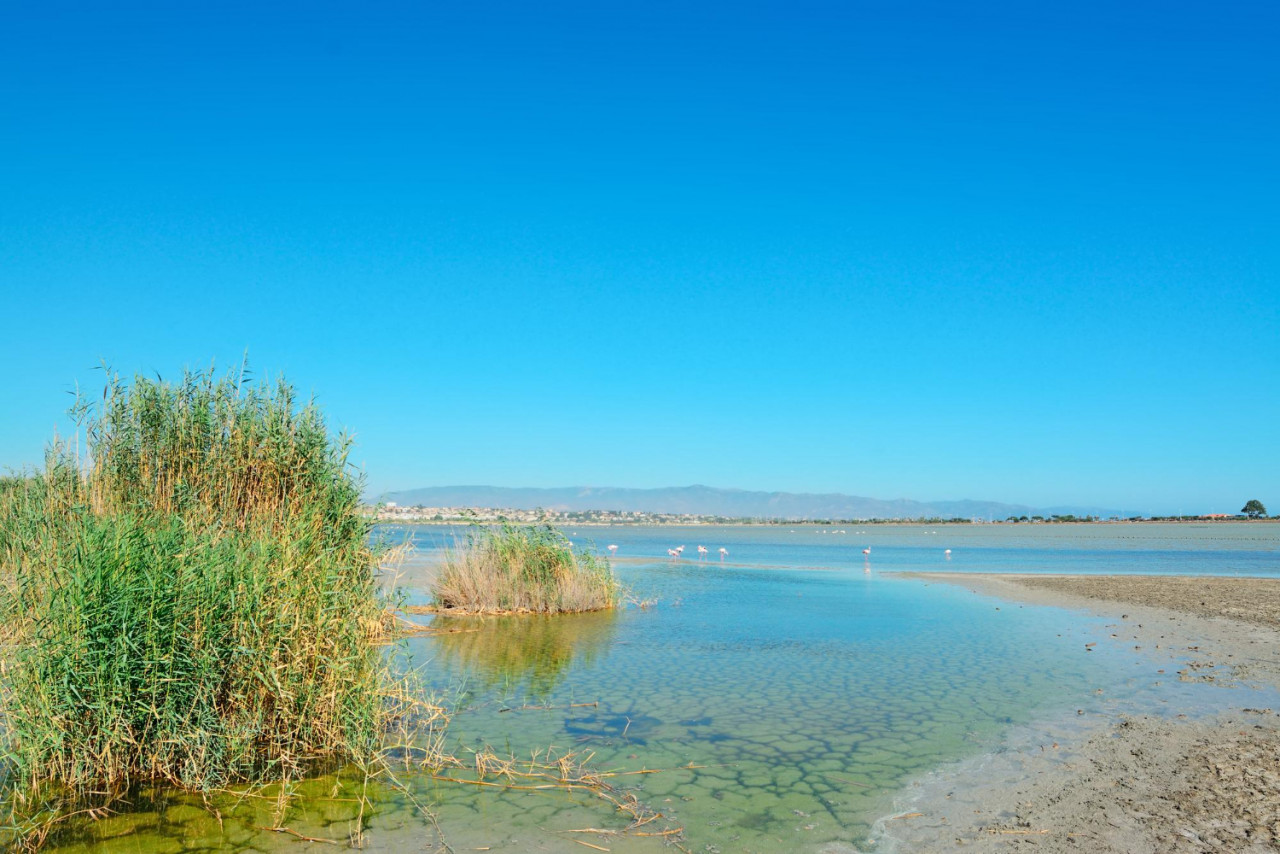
784 694
1220 548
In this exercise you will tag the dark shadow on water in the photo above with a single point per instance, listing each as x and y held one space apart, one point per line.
602 722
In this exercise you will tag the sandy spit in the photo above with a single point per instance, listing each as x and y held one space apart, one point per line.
1144 784
1249 600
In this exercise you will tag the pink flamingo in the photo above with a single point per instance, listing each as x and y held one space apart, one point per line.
723 552
702 551
613 550
673 552
948 554
867 550
680 549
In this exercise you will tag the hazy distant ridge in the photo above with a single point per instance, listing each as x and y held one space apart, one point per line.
706 500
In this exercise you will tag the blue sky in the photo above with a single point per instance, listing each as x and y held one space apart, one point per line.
1023 252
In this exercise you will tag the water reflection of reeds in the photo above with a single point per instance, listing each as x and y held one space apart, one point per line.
531 651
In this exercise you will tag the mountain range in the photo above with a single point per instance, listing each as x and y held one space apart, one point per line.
734 503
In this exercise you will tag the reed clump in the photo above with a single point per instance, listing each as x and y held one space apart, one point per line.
514 569
190 598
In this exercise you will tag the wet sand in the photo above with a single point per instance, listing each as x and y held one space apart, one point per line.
1125 782
1250 600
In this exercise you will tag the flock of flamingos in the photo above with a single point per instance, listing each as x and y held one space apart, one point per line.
678 552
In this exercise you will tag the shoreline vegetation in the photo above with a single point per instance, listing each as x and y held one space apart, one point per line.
515 569
190 609
188 600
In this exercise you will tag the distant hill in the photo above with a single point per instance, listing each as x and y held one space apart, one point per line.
709 501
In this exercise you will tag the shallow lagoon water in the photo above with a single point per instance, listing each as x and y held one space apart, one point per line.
1211 548
804 686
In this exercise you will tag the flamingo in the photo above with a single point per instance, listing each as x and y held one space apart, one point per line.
867 550
613 550
947 553
673 552
702 551
723 552
680 549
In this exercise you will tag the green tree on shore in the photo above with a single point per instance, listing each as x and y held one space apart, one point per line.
1253 509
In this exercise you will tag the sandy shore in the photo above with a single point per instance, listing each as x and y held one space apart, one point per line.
1250 600
1129 783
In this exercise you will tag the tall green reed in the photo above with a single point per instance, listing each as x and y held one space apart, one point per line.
190 598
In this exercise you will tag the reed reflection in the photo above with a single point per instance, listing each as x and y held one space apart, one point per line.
532 651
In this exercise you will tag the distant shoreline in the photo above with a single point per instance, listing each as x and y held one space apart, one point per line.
488 516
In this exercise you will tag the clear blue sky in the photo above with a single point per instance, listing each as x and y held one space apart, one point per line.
1016 251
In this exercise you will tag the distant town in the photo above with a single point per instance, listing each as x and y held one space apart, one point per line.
422 515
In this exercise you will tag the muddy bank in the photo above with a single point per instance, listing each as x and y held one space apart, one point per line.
1250 600
1126 783
1142 785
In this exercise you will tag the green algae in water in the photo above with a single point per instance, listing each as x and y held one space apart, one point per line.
802 701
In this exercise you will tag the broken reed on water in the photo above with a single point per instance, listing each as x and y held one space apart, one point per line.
516 569
188 597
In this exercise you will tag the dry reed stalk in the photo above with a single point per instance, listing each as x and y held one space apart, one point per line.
515 570
546 771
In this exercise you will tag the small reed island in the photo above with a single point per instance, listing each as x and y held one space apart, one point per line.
523 570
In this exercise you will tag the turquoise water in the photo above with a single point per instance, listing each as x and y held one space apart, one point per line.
807 695
784 695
